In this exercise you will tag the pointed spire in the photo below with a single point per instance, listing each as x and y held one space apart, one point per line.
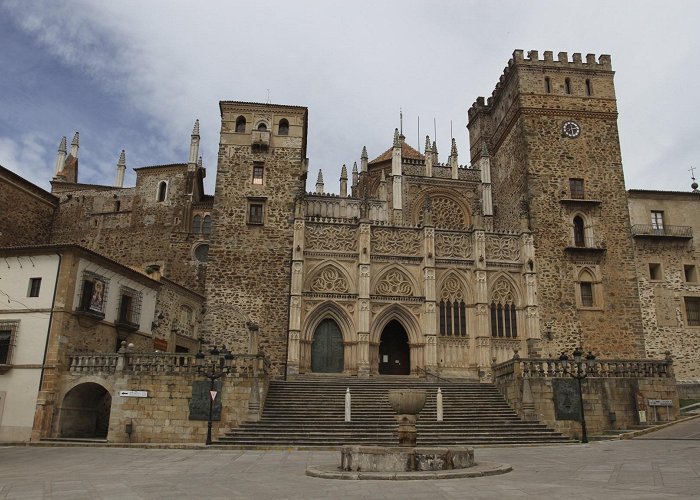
382 187
194 147
383 177
61 156
364 152
319 182
354 168
454 160
195 130
121 169
396 138
363 159
344 172
453 151
429 159
199 162
435 148
427 145
344 182
74 145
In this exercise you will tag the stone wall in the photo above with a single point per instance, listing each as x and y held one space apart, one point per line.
609 394
32 224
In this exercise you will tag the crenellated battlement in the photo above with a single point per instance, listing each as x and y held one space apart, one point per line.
603 63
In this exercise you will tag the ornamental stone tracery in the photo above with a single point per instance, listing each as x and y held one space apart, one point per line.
395 283
330 238
453 245
502 293
502 248
329 280
452 290
447 214
395 242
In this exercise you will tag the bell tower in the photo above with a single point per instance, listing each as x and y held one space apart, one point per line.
261 168
550 127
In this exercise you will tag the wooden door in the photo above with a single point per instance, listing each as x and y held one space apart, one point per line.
327 348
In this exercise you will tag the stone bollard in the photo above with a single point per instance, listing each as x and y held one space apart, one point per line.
439 405
348 405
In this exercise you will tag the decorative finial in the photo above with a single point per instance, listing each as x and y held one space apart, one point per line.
344 172
122 159
76 139
319 179
383 177
199 162
401 120
364 152
62 146
453 151
396 138
354 168
74 145
435 147
427 143
484 149
195 131
694 184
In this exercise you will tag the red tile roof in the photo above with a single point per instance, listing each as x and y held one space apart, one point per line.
406 152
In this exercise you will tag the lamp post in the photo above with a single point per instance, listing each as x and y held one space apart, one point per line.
221 364
583 367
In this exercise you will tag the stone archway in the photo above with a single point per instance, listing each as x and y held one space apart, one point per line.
85 412
394 350
327 348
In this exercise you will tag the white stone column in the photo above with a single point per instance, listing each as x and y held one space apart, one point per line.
532 317
363 309
429 314
482 335
295 299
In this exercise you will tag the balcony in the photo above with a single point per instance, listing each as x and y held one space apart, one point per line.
654 231
586 245
260 140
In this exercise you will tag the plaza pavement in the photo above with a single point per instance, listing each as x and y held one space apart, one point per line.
660 465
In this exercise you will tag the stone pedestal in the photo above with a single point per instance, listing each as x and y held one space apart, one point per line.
404 459
407 429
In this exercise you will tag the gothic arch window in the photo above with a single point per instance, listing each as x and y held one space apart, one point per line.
262 127
240 125
206 226
588 294
162 191
453 310
283 128
447 212
504 314
579 232
196 224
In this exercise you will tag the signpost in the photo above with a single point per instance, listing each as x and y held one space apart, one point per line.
133 394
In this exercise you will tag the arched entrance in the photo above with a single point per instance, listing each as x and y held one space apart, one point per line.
394 351
85 412
327 348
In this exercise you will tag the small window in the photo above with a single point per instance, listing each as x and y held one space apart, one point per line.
185 315
181 349
117 205
589 88
692 311
206 227
579 232
255 213
34 287
586 293
197 224
504 320
240 125
657 220
258 171
129 313
547 85
8 338
691 273
283 128
576 188
262 127
93 296
567 85
201 253
162 190
655 272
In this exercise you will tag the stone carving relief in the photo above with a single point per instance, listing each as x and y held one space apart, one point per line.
447 214
330 238
298 224
482 310
395 242
452 290
502 248
502 293
395 283
453 245
329 280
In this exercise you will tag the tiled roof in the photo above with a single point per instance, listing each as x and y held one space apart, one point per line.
406 152
169 165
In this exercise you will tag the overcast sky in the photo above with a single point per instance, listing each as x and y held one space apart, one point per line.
134 75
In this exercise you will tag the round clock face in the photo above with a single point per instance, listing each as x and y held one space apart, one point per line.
571 129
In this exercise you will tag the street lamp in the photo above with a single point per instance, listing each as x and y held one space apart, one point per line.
583 367
220 366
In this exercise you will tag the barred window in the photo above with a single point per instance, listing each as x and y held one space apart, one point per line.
692 311
504 315
206 226
196 224
255 213
258 171
453 310
8 340
93 295
129 312
576 188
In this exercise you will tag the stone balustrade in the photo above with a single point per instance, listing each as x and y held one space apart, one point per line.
244 365
609 368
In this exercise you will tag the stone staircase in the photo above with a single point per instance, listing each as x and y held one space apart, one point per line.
309 411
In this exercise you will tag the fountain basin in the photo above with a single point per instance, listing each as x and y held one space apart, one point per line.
405 459
407 401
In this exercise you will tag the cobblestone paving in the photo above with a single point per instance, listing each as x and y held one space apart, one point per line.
635 469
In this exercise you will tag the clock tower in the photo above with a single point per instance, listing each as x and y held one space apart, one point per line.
550 129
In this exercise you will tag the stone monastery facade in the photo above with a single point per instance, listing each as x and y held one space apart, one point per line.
416 264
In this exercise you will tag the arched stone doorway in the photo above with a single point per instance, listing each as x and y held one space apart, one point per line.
85 412
327 348
394 351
